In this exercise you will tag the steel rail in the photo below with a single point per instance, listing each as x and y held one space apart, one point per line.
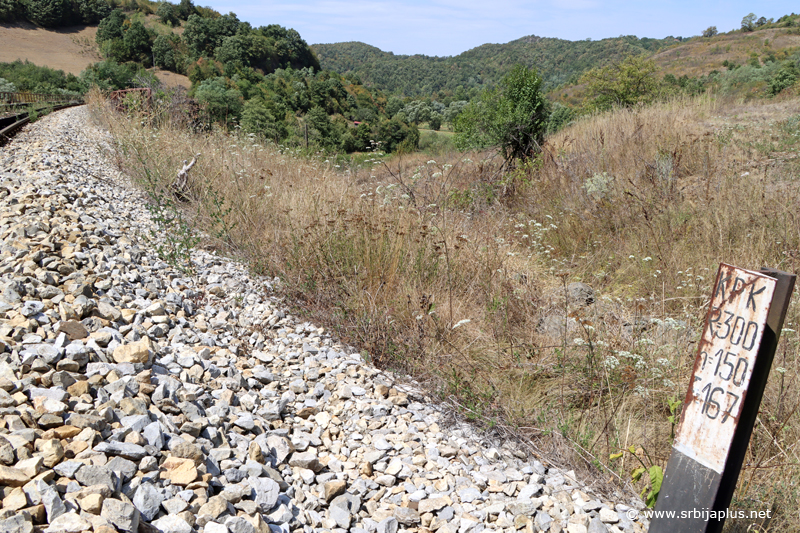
11 124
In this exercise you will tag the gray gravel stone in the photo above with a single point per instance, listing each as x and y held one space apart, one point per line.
172 524
266 492
148 500
122 514
197 389
18 523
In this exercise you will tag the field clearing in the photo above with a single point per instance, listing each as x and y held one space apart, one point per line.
70 49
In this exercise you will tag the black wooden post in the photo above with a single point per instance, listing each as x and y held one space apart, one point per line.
733 361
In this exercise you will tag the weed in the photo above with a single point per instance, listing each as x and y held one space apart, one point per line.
655 474
173 237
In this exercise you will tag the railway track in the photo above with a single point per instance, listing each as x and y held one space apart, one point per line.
11 124
19 107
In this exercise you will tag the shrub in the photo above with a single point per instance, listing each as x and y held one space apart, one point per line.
559 117
512 117
203 69
222 103
26 76
6 86
109 75
786 77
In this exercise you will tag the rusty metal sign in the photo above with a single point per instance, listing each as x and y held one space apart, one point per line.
734 358
725 359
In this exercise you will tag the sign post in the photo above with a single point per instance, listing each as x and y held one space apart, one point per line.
733 360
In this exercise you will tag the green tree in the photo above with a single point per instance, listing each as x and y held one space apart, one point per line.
395 134
321 130
204 35
93 11
749 22
138 43
453 110
232 52
393 106
168 14
512 117
168 52
256 118
710 31
222 102
110 27
48 13
225 26
435 122
624 84
198 35
357 139
417 111
10 10
186 9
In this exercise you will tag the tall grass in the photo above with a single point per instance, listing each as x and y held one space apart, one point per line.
460 275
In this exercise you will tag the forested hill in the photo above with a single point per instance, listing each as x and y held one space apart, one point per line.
464 75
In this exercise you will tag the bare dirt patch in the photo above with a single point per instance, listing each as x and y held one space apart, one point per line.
171 79
70 49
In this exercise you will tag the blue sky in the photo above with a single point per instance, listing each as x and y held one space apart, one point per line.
449 27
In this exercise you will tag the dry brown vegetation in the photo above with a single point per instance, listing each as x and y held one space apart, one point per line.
702 55
71 49
457 273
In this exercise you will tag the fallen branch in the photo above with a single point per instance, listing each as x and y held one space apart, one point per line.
180 185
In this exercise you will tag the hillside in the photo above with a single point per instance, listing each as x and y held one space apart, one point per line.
558 60
71 49
699 56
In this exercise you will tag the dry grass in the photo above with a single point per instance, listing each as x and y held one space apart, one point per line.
700 56
70 49
642 205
